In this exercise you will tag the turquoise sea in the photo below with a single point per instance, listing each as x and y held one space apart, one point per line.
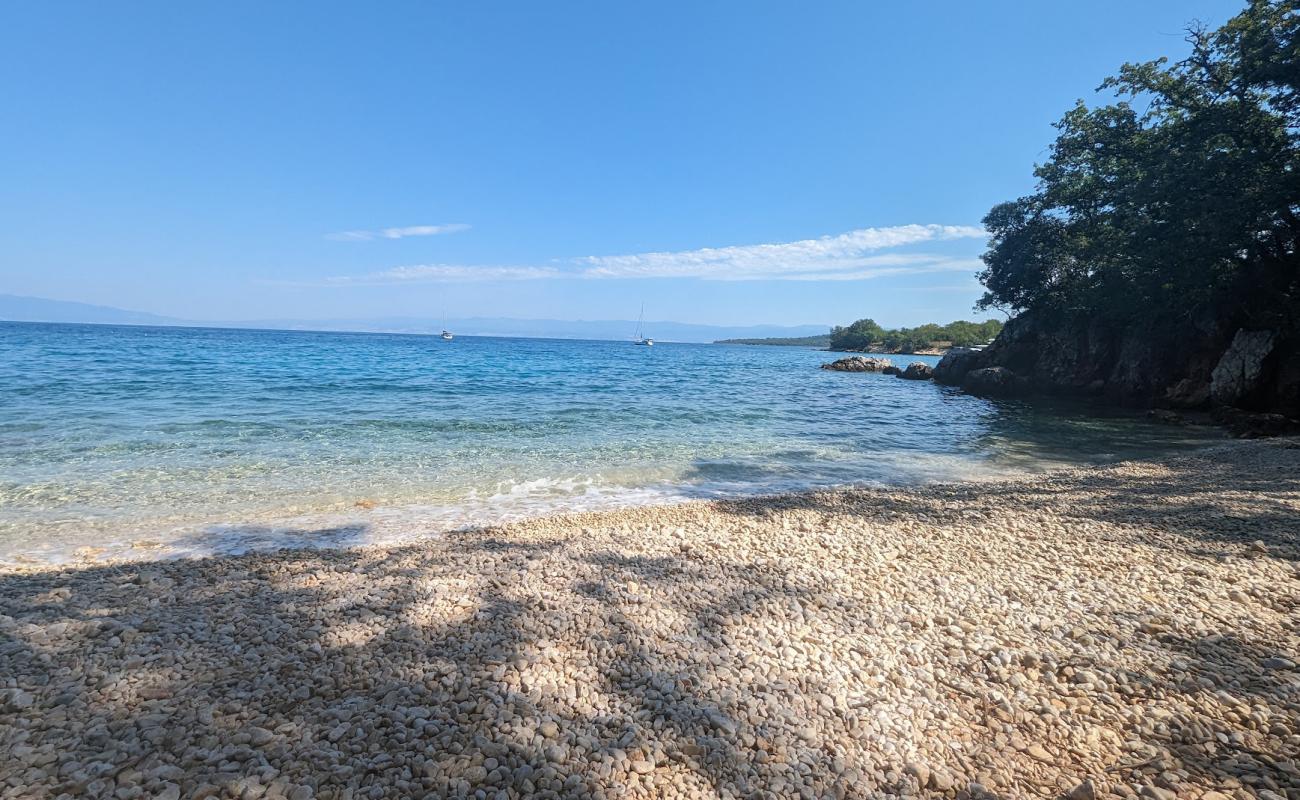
139 441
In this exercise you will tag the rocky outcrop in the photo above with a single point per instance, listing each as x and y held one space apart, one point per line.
891 370
952 368
859 364
1194 363
994 382
917 371
1241 366
1255 424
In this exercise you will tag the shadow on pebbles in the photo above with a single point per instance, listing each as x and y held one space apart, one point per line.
1123 631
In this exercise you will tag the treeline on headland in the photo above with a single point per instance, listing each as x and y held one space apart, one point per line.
820 340
866 335
1158 260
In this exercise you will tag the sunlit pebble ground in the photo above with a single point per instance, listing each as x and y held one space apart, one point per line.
1130 630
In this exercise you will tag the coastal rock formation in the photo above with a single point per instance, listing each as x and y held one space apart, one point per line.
1129 627
1238 372
954 365
917 371
994 382
1195 364
859 364
1255 424
891 370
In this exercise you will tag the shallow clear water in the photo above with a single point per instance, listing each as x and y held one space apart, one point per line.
161 441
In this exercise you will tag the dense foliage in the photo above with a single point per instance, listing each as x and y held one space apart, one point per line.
1180 198
865 334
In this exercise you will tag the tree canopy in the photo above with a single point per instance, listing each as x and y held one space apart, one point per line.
1180 197
865 333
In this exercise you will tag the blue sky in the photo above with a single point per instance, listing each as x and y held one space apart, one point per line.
729 163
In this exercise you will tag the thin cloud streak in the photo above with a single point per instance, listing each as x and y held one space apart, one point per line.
827 254
397 233
850 256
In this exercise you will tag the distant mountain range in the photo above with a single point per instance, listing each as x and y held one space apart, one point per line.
34 309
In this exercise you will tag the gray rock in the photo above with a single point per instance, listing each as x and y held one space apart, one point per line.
21 700
1254 425
918 371
1188 393
994 382
1239 369
858 364
955 364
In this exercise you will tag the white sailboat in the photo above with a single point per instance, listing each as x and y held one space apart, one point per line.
447 335
640 337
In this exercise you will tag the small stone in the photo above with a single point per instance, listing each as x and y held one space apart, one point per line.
1040 753
1277 662
260 736
1084 791
643 767
919 771
21 700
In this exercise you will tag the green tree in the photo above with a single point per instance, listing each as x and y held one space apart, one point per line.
1181 196
858 336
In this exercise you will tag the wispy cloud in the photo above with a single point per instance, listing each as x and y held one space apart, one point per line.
397 233
829 254
853 256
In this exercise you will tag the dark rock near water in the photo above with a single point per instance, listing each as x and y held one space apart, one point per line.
952 368
1188 393
995 382
917 371
1241 366
1200 362
891 370
1255 424
859 364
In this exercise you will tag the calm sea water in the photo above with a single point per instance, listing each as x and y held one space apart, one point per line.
120 441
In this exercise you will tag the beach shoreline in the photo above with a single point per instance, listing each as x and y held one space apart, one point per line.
1118 630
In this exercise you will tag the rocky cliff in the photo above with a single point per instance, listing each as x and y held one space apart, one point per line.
1196 364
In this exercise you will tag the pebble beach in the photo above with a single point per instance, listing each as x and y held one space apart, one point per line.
1121 631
